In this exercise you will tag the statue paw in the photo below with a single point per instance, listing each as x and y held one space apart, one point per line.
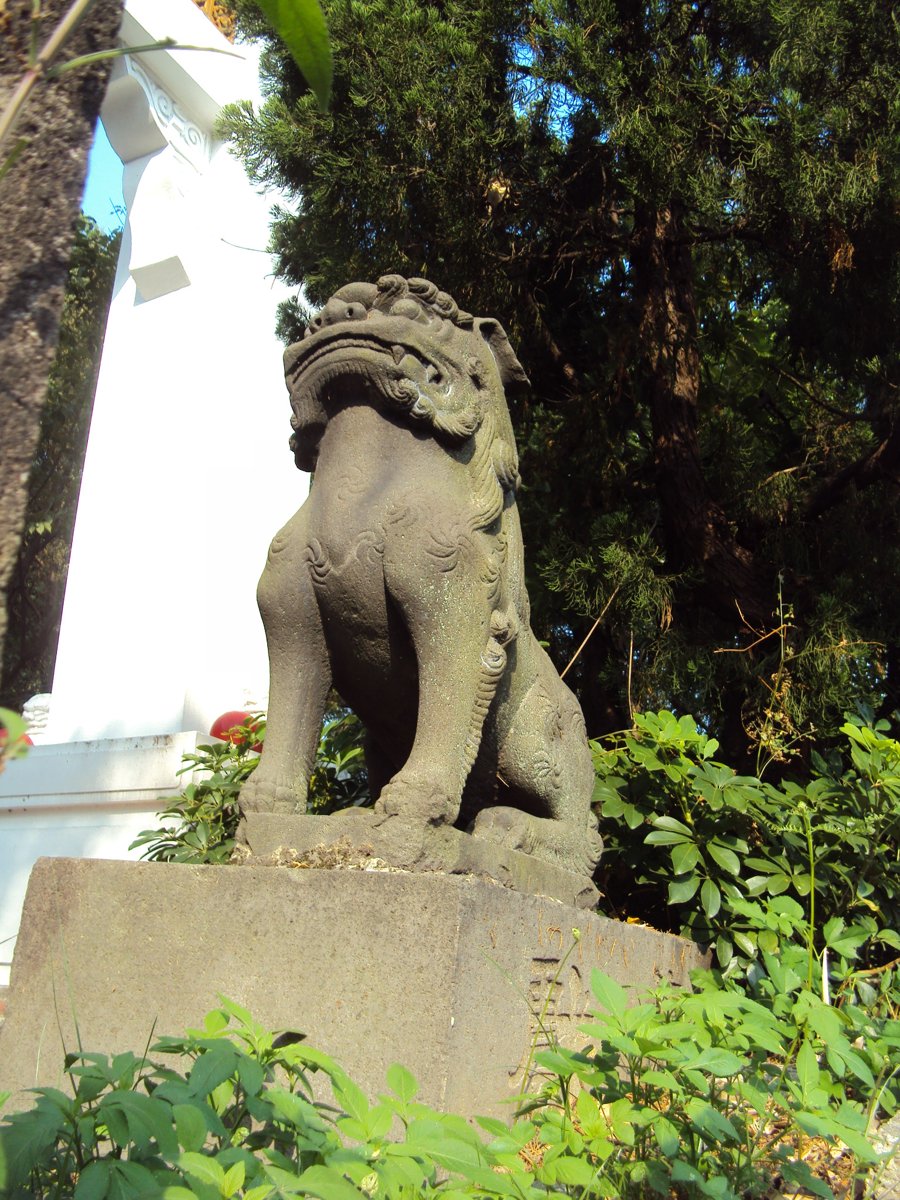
258 795
423 801
558 842
509 827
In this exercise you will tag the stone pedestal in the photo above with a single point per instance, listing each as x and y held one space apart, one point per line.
444 974
361 837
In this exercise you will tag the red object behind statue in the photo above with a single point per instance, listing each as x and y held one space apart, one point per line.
231 727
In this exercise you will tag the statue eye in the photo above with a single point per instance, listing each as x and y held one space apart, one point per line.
356 312
406 308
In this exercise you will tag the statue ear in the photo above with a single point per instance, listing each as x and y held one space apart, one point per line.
511 370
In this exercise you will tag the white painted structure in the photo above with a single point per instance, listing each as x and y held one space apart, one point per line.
187 473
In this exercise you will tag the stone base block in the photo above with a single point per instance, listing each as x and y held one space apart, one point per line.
445 974
357 834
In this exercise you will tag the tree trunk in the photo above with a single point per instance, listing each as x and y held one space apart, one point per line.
696 532
39 201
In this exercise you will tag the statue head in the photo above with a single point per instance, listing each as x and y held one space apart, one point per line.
407 345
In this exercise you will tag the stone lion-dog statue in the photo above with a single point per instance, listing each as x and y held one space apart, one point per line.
401 582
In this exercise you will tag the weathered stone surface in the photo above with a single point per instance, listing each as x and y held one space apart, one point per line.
375 967
39 201
401 582
370 841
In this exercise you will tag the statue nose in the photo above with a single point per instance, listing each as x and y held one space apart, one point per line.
336 311
340 310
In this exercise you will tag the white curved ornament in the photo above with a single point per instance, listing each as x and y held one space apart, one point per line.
182 133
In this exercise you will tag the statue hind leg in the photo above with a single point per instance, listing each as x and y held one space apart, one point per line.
546 761
299 676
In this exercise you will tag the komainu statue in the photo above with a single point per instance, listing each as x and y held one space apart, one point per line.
401 582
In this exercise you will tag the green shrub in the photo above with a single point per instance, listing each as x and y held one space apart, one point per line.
206 814
686 1094
13 731
807 869
709 1093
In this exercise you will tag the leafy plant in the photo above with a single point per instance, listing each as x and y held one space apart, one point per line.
710 1093
207 812
751 868
340 779
683 1096
12 736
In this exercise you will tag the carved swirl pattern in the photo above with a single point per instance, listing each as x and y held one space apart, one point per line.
183 135
318 561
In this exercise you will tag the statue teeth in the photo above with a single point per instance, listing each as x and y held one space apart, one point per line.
399 354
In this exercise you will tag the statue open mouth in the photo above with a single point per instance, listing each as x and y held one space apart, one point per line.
369 356
401 374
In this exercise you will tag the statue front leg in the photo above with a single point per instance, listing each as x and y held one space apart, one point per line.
299 676
445 587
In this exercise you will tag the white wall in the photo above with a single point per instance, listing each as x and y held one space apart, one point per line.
83 800
187 475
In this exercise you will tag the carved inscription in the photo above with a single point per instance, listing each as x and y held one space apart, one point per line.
559 992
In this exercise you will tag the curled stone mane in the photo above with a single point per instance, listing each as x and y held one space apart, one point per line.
395 287
384 295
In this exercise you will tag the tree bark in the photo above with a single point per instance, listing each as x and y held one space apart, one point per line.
879 465
695 528
39 200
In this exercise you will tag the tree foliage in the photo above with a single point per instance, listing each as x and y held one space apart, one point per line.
39 577
685 214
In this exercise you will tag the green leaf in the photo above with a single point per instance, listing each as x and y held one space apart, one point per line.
716 1061
664 837
671 823
301 26
724 950
147 1119
402 1083
190 1126
845 942
451 1153
351 1098
666 1135
204 1169
685 857
683 1172
711 898
573 1172
710 1122
727 859
681 890
611 995
93 1182
807 1067
744 943
234 1178
213 1067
